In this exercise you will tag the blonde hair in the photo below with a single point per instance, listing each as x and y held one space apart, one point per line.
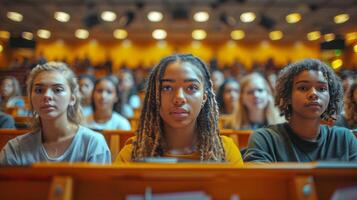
240 120
150 135
74 111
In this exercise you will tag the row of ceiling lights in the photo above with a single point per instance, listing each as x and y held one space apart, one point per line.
159 34
156 16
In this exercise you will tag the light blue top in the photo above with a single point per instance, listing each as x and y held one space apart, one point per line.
116 122
87 146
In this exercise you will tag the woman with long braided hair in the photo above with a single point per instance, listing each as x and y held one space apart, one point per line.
179 116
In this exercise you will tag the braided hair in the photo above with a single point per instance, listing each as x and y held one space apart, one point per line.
150 135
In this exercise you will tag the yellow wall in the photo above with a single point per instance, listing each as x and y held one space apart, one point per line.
149 53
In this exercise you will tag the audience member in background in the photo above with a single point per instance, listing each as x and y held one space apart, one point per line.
56 136
227 96
347 78
256 107
10 95
179 117
86 85
217 79
105 105
306 92
128 94
349 118
6 121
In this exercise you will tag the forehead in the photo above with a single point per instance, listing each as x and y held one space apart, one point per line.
231 85
182 70
105 84
49 78
7 81
310 76
256 82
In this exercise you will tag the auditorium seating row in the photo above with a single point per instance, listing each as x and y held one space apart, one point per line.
61 181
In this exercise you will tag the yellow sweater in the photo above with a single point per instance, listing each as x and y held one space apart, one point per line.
233 155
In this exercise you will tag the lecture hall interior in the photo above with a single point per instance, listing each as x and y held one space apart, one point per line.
178 99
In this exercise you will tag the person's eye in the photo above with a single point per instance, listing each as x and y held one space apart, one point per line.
38 90
322 89
58 89
193 88
302 88
166 88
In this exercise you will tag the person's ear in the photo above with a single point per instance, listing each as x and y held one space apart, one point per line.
72 100
205 97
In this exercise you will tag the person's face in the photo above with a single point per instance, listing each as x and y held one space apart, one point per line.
310 95
231 94
51 95
182 95
126 81
255 95
217 79
7 88
86 88
104 95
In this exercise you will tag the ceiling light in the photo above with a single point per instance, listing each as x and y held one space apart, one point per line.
108 16
329 37
62 16
4 34
355 48
237 34
276 35
341 18
1 48
14 16
201 16
247 17
199 34
293 18
337 63
120 34
44 34
27 35
155 16
81 34
314 35
159 34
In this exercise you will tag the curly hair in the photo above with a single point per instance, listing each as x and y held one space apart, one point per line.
285 83
351 105
73 112
150 135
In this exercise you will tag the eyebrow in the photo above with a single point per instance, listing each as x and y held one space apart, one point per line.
186 80
56 84
323 82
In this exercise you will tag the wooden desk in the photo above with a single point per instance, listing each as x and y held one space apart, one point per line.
84 181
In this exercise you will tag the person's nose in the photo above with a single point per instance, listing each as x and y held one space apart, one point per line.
48 95
312 94
179 98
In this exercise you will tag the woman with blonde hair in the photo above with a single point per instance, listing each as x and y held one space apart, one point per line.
57 135
256 107
10 95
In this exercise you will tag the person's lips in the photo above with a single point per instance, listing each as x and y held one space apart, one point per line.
179 112
313 105
47 107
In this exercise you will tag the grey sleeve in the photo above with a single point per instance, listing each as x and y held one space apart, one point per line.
100 152
353 147
258 148
9 155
